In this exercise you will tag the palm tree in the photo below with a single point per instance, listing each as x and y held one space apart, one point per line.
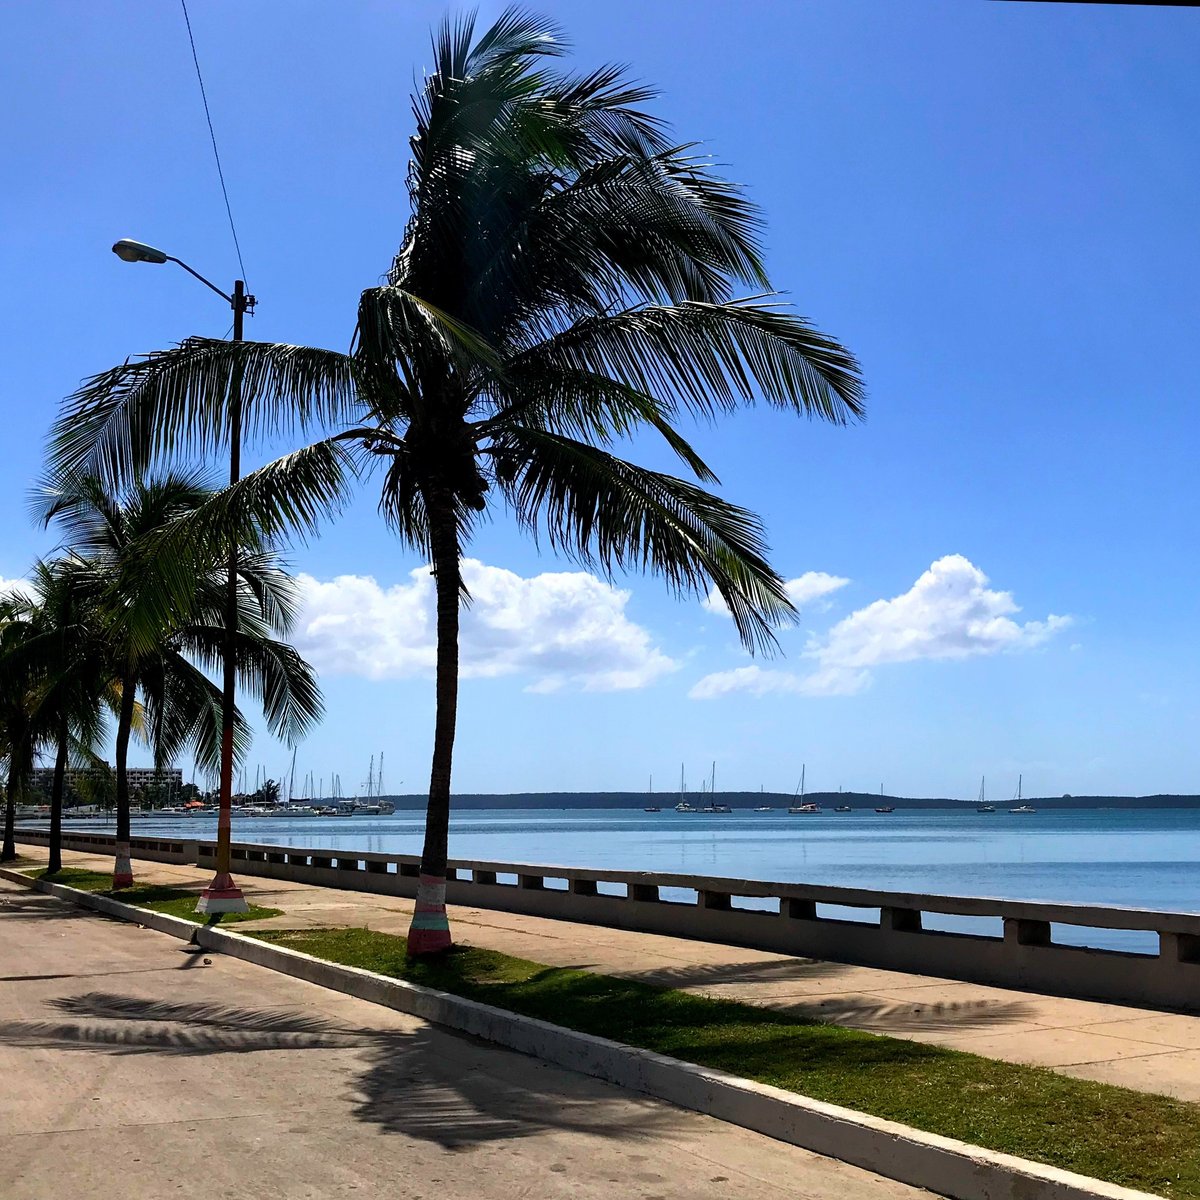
54 643
19 734
566 280
163 626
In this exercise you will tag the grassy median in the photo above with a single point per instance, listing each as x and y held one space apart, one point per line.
175 902
1131 1138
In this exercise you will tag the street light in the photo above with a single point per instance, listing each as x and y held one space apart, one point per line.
222 894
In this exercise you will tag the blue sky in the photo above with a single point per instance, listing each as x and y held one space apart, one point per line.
993 205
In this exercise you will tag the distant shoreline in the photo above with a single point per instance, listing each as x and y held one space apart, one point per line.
749 800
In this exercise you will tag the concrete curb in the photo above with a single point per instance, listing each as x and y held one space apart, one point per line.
942 1165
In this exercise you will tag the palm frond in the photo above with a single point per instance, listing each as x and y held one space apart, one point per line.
611 514
176 404
709 357
579 403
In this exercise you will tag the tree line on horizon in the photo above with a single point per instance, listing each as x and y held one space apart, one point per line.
570 277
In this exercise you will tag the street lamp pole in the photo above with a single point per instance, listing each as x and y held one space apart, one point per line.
222 894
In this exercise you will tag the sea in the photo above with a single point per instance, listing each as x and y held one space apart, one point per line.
1140 858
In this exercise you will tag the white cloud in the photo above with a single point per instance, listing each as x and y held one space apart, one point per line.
762 681
561 629
804 591
949 613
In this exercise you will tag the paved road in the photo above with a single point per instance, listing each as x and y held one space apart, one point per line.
130 1067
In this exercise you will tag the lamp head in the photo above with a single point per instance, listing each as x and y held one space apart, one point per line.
130 251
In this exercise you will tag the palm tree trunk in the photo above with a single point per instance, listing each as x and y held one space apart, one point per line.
9 851
123 867
56 802
429 932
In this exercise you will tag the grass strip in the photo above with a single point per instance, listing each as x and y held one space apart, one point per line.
1135 1139
175 902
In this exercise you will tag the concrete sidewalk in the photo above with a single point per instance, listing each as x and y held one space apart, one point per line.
132 1067
1135 1048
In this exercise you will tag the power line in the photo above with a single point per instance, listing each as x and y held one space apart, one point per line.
216 154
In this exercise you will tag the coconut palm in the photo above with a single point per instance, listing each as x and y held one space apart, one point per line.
19 734
163 625
566 280
55 645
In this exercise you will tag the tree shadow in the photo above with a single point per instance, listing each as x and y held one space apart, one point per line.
830 1006
694 976
427 1083
34 906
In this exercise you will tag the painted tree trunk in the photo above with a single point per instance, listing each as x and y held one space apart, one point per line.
56 801
430 929
123 866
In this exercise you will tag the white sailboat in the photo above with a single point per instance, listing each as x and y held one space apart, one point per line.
683 805
983 807
1022 809
801 806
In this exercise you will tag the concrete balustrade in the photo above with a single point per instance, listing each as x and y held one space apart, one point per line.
168 850
1026 956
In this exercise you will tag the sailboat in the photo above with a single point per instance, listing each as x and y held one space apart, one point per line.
683 805
984 808
763 807
884 808
1022 809
802 807
651 807
712 794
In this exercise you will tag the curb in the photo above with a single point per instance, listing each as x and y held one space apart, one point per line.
942 1165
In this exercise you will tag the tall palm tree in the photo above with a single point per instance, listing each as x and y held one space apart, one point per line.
19 733
55 644
163 625
566 280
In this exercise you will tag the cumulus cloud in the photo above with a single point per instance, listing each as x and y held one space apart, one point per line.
805 591
560 629
949 613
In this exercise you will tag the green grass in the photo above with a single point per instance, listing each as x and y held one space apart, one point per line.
175 902
1131 1138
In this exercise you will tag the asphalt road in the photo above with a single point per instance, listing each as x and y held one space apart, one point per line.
132 1067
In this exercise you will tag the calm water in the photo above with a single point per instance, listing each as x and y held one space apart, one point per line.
1146 859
